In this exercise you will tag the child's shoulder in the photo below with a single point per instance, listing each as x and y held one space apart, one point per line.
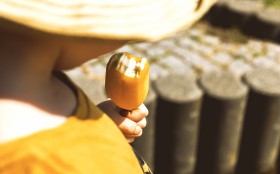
16 115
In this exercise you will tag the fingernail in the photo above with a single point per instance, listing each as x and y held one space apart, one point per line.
138 130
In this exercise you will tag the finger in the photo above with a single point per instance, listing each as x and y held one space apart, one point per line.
142 123
138 114
133 135
128 126
130 140
144 109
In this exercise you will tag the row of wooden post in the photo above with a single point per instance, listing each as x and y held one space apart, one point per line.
251 17
215 124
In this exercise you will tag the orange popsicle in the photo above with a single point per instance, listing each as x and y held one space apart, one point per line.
127 80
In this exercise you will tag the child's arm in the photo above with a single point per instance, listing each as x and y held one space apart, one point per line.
131 123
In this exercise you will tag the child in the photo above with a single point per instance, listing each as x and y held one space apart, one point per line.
47 124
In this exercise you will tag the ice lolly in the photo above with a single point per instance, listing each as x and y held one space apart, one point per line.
127 80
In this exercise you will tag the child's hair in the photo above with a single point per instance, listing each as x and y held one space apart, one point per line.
126 19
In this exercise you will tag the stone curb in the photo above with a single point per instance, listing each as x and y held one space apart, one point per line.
250 16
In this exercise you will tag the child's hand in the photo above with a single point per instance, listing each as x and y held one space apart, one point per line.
130 123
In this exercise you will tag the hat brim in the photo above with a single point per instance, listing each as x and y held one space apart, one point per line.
109 19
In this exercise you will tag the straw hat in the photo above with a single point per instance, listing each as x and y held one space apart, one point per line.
112 19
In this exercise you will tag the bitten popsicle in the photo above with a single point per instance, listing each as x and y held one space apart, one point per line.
127 84
127 80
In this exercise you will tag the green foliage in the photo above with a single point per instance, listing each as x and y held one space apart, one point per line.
272 3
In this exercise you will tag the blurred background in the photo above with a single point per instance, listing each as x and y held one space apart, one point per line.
214 99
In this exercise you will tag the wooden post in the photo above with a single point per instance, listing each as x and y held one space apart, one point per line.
221 122
261 133
178 110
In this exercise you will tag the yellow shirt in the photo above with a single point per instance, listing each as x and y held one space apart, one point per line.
89 143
